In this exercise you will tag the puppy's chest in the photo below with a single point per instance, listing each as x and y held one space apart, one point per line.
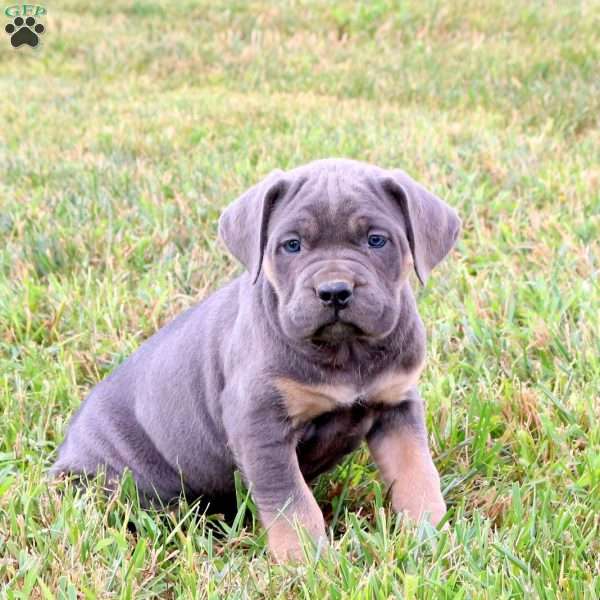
304 402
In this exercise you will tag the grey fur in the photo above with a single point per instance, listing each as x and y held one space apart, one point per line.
198 400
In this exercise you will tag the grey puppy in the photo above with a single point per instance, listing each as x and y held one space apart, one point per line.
282 372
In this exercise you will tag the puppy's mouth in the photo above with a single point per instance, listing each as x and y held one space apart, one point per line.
336 332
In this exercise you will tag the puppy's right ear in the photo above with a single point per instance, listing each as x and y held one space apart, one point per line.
244 224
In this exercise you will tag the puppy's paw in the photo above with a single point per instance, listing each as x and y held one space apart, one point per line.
433 513
286 539
286 550
417 512
419 497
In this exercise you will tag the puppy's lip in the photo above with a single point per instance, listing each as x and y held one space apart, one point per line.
336 331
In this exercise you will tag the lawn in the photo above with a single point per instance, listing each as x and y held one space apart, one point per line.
124 135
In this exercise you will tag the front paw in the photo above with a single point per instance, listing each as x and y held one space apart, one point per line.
285 543
285 529
419 497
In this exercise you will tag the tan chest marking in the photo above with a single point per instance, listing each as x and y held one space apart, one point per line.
390 388
305 402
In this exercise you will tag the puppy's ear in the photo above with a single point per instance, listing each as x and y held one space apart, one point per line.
243 225
432 226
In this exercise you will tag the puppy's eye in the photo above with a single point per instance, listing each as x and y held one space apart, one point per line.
377 241
292 246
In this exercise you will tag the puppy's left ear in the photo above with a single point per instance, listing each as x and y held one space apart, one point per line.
432 226
243 225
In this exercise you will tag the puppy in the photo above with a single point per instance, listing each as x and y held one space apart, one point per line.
316 347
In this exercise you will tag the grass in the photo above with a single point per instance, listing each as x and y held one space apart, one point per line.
135 123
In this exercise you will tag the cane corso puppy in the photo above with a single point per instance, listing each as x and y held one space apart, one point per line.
316 347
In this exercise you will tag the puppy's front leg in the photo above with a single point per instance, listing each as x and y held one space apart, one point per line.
265 450
398 444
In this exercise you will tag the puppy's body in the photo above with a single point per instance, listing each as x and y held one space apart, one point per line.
160 413
278 373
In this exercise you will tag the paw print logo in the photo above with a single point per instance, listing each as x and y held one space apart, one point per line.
24 31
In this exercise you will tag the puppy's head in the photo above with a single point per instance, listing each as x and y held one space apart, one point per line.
336 240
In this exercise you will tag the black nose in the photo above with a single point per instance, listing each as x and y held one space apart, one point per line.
335 293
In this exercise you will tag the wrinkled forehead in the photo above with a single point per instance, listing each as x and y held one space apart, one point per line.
333 200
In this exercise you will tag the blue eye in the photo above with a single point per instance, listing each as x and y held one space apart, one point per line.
292 246
377 241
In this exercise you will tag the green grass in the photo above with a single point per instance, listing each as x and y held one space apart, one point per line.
123 137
